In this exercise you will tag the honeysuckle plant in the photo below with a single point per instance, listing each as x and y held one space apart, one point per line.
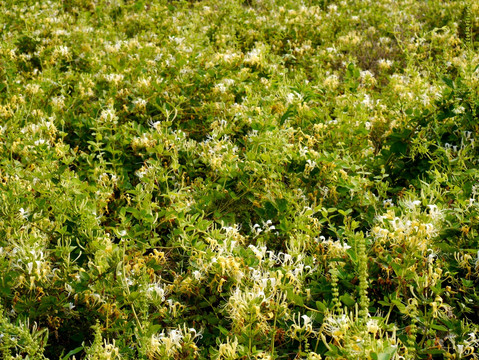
239 179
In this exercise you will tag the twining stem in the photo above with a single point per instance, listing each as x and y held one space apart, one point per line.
363 277
127 288
274 334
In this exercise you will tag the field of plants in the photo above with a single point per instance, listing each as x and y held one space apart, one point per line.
239 179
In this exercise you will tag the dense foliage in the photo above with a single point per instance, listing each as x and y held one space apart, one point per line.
227 179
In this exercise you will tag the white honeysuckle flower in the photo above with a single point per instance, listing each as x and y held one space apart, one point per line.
388 202
24 213
411 205
69 289
156 290
197 275
307 320
372 326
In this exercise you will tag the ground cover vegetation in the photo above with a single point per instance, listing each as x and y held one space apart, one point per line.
272 179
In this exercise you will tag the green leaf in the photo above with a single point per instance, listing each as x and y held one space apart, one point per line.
154 329
290 112
282 204
445 247
345 213
295 298
347 299
398 269
399 147
439 327
321 306
387 354
134 295
73 352
353 255
399 305
256 126
212 319
431 351
353 71
448 82
139 5
223 330
203 304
